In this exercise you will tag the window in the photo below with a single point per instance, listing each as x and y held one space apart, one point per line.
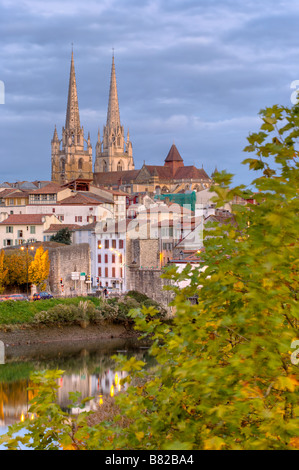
99 258
120 258
113 258
106 243
52 197
121 244
78 218
20 233
11 202
36 197
99 244
106 259
53 210
106 272
9 229
113 243
113 272
121 272
100 272
61 218
32 229
44 197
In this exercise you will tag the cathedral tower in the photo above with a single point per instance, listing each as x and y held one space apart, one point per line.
114 152
70 160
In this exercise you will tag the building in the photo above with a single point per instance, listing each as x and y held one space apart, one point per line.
18 229
172 177
70 158
114 153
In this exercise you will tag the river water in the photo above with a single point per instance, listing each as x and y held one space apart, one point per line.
88 369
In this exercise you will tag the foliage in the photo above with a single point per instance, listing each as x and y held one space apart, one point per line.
68 314
225 379
139 296
39 268
3 272
16 264
62 236
23 312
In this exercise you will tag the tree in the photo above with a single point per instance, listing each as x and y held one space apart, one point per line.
3 272
39 268
224 377
16 264
62 236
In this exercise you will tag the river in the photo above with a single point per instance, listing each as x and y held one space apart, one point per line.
88 368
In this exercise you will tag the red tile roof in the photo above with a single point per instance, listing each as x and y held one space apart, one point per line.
51 188
84 199
173 155
57 227
23 219
190 172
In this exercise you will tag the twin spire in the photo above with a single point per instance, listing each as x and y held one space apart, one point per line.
70 157
72 120
113 119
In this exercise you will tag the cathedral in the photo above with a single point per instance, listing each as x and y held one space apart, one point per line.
114 165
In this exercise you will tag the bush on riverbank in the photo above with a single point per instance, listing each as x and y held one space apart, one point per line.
76 310
20 312
85 312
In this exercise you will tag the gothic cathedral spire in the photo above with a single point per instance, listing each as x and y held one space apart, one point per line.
72 120
113 153
70 160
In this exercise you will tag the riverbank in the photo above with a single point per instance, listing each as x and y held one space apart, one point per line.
20 335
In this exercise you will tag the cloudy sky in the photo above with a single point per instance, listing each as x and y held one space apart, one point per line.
193 72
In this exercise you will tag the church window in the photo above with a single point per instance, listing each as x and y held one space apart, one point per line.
62 165
105 166
80 164
119 166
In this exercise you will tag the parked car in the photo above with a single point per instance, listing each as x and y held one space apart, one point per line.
18 297
13 297
42 296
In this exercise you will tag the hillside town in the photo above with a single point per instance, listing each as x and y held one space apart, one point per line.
125 224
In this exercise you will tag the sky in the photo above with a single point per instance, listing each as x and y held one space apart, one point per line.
191 72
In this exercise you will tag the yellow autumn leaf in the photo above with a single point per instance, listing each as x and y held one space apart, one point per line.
294 442
214 443
287 383
139 435
238 286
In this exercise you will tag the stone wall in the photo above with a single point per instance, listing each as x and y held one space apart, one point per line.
143 270
64 260
149 282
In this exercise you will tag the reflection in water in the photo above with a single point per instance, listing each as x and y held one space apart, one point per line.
89 370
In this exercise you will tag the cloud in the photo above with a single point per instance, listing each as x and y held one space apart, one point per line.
190 70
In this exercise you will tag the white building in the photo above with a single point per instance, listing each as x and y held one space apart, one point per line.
18 229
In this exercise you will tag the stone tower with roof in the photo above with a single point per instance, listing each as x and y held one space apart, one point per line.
72 155
114 152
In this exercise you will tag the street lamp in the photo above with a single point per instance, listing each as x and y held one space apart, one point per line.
27 246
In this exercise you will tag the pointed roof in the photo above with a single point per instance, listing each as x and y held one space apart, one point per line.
55 135
72 121
173 155
113 119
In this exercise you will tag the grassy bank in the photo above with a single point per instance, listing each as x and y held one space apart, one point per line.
12 313
74 310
